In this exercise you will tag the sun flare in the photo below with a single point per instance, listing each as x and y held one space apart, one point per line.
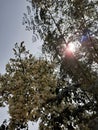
71 47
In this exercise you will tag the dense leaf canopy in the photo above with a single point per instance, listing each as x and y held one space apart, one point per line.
55 21
63 90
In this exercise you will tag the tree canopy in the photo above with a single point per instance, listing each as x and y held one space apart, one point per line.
23 85
56 20
61 90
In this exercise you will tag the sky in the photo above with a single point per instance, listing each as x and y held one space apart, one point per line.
12 31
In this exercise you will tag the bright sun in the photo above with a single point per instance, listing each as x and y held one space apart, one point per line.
71 47
67 50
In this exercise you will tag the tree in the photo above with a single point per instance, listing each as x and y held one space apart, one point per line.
61 92
26 85
54 21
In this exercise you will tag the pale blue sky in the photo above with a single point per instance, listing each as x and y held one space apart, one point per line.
12 31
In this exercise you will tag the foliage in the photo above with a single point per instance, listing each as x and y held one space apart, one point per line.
4 125
54 20
61 92
27 83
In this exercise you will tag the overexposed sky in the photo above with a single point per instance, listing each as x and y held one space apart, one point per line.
12 31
